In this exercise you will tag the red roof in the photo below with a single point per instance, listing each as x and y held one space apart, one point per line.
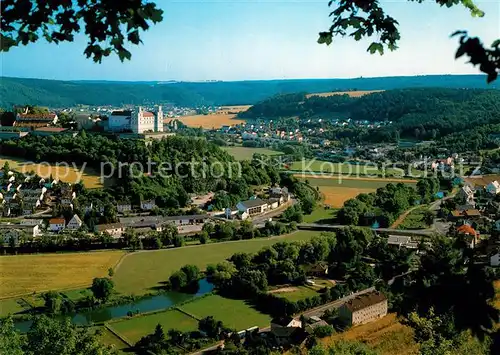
57 221
148 114
466 229
36 116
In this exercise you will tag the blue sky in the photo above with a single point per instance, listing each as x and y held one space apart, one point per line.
260 39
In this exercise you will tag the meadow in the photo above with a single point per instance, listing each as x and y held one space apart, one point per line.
70 174
297 293
321 214
415 219
10 306
386 335
25 274
235 314
337 190
350 93
246 153
354 170
133 329
141 272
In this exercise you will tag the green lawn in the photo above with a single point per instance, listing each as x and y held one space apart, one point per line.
35 300
362 183
235 314
108 338
301 293
10 306
369 169
141 271
246 153
78 294
135 328
321 215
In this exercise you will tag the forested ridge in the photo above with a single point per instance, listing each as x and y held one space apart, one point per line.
442 110
54 93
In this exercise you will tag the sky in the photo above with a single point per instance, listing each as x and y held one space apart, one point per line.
263 39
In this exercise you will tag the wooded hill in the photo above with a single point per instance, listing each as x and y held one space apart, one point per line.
443 110
54 93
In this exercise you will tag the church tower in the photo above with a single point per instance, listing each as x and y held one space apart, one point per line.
159 120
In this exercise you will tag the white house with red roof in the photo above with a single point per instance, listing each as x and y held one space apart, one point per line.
57 224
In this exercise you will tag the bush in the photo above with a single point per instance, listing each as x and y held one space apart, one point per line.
323 331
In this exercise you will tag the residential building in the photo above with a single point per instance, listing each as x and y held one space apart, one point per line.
402 241
74 223
123 207
188 219
253 207
319 269
456 215
115 230
283 329
495 259
16 230
119 121
364 308
472 236
148 205
493 188
31 222
35 120
56 224
313 323
466 194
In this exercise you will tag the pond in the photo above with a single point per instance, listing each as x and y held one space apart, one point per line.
145 304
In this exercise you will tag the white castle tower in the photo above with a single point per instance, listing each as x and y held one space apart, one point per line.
159 120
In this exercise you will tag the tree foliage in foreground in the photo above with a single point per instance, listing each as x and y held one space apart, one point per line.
108 24
367 18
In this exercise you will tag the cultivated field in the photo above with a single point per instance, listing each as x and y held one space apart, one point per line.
24 274
140 272
350 93
135 328
387 335
246 153
225 117
340 189
69 174
235 314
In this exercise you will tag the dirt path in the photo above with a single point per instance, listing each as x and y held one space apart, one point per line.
284 290
402 217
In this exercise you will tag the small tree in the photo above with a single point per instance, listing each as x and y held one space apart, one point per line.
102 288
178 280
111 272
53 302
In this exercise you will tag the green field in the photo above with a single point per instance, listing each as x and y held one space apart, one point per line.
135 328
361 170
10 306
321 215
246 153
300 293
235 314
78 294
415 219
140 272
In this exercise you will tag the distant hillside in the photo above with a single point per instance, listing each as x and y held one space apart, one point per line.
54 93
443 110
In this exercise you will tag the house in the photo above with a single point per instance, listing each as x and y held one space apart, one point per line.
319 270
187 220
148 205
466 194
280 193
16 230
472 236
123 207
495 259
35 120
283 329
56 224
115 230
364 308
253 207
75 223
402 241
313 323
493 188
456 215
31 222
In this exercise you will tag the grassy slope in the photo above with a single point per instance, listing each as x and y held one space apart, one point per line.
235 314
24 274
141 271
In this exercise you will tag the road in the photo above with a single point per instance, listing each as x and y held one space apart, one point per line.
318 311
